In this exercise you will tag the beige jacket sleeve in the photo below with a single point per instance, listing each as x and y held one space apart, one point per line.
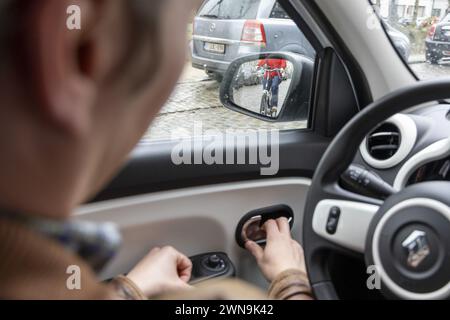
289 285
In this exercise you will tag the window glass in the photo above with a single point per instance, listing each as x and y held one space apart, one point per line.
420 31
195 106
278 12
230 9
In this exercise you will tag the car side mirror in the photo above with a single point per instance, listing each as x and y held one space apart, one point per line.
274 87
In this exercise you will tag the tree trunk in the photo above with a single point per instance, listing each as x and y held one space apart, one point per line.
416 12
393 16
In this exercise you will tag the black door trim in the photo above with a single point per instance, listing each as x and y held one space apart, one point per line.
150 168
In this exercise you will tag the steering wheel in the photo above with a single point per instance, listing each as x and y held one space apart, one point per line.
405 239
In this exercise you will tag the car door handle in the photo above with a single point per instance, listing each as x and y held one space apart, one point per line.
250 226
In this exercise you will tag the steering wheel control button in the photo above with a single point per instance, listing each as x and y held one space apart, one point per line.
332 225
335 212
333 220
349 229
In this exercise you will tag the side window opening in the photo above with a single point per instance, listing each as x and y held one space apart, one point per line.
221 32
420 32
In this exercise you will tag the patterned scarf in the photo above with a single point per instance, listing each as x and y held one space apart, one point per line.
95 243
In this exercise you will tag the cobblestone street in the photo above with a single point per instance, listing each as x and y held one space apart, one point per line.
249 96
195 99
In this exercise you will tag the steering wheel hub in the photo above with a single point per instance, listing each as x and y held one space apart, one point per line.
409 243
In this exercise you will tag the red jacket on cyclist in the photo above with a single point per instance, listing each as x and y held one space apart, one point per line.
272 64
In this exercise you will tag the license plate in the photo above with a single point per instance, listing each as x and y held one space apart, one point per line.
214 47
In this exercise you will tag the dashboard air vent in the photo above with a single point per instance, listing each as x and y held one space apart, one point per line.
384 142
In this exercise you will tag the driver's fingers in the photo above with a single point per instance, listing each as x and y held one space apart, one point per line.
184 267
271 228
254 249
298 247
183 285
155 250
283 225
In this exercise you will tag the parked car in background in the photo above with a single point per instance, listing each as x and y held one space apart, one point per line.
227 29
405 21
438 41
400 40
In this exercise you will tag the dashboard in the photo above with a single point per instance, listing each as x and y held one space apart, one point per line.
409 148
434 171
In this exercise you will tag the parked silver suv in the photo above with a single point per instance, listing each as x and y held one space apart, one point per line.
226 29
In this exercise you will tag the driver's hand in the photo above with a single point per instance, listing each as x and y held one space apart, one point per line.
281 252
162 271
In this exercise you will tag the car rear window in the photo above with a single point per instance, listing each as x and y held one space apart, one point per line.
278 12
230 9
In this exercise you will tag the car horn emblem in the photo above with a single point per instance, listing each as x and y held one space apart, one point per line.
417 247
212 27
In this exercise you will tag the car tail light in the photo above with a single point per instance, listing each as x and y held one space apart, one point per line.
431 32
254 32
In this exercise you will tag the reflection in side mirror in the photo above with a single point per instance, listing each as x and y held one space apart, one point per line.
266 81
270 86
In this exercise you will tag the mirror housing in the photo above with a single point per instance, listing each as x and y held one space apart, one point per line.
297 91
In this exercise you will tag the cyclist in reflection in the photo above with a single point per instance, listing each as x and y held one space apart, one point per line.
273 75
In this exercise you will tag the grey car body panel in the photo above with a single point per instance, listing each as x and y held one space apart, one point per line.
281 35
439 47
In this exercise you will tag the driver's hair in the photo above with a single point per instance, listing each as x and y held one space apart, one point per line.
144 15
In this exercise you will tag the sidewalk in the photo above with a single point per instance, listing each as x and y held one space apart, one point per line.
196 98
417 58
192 75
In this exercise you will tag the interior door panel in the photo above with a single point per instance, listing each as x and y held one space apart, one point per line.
196 208
195 220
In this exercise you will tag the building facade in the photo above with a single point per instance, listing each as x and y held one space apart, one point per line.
405 8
